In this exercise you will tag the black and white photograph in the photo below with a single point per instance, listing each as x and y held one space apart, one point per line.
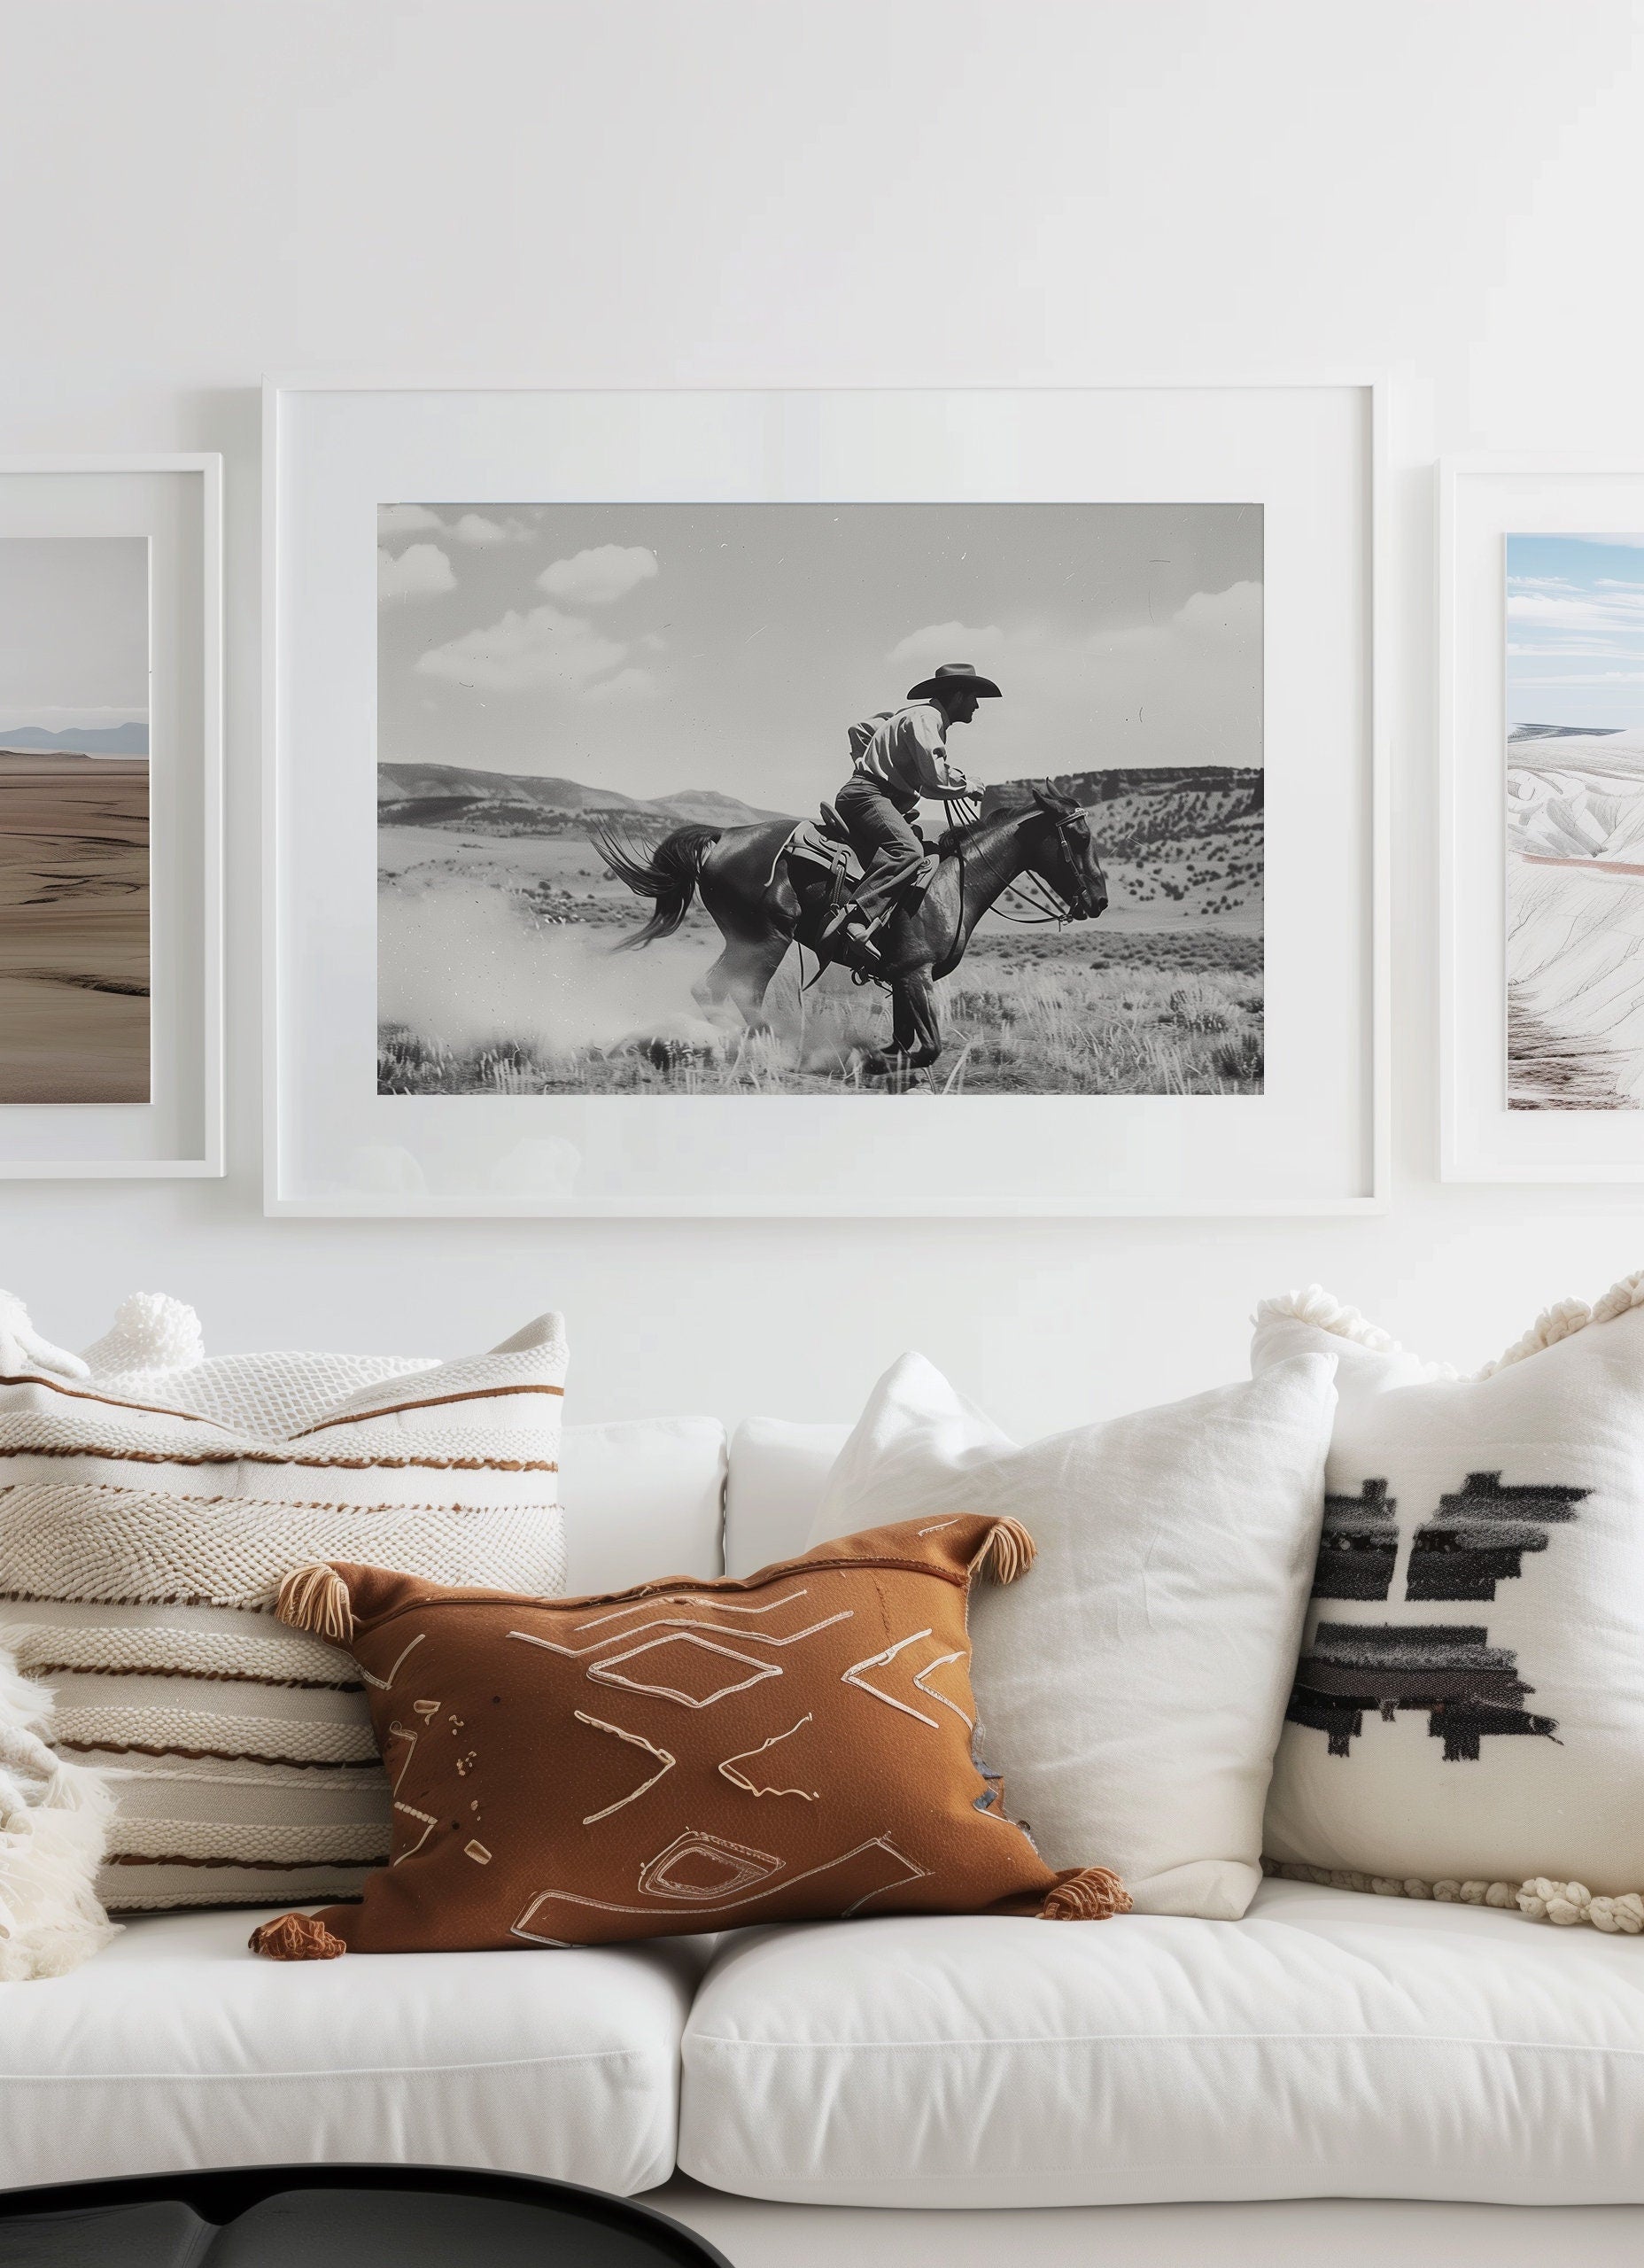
819 799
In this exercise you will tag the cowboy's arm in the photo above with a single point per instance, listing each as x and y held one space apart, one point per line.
938 777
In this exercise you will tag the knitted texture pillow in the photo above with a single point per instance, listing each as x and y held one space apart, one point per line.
1468 1716
151 1503
687 1756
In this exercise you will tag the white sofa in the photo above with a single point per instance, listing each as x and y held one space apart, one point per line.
1328 2047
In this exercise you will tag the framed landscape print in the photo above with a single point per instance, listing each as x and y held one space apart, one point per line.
110 1052
1542 733
855 804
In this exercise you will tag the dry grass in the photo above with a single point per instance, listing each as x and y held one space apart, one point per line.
1080 1013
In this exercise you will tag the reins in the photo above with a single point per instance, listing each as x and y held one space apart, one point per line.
1045 904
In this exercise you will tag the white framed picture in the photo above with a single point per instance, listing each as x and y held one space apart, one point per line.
858 803
1541 740
111 756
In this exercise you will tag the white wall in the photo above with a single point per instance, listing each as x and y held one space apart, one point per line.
734 192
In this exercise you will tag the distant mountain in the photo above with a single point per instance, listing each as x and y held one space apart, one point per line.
106 740
1561 732
516 803
707 807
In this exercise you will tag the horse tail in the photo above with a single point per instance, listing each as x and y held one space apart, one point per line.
669 876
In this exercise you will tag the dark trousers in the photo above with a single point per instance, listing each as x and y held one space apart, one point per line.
895 864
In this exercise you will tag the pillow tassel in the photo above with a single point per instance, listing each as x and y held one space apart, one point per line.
1092 1894
1007 1551
296 1937
315 1598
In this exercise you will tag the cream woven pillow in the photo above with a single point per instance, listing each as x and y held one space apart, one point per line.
1468 1716
151 1503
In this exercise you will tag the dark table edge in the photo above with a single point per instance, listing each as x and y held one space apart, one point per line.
220 2193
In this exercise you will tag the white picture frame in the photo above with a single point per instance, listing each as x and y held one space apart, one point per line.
1482 500
1315 1143
174 501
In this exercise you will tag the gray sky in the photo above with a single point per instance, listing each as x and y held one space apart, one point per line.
654 647
74 630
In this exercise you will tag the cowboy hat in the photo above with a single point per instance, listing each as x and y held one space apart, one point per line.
954 673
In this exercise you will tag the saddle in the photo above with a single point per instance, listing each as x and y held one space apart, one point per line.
818 853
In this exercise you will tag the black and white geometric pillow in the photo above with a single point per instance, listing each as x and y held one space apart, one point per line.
1468 1715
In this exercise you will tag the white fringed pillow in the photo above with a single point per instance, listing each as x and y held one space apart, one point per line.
1134 1703
1468 1715
152 1501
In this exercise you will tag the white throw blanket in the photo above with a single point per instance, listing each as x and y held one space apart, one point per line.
53 1822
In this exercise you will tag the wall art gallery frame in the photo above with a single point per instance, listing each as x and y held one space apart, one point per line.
479 481
1540 976
171 506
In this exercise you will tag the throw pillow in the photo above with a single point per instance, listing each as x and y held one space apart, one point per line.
1132 1694
149 1510
686 1756
1468 1717
154 1351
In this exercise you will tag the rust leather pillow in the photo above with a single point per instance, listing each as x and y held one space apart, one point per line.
687 1756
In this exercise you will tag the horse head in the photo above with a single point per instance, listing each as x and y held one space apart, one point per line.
1068 861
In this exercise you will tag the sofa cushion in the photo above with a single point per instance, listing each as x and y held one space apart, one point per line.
1327 2044
778 1475
640 1495
176 2047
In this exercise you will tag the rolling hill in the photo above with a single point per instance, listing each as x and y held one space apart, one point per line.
105 740
514 802
1180 843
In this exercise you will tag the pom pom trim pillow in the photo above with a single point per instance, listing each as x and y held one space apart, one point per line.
1468 1716
690 1755
151 1503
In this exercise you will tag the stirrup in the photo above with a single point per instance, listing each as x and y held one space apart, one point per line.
841 919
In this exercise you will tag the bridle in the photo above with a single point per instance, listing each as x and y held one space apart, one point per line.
1044 902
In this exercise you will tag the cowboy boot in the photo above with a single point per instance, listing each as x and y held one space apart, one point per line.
854 930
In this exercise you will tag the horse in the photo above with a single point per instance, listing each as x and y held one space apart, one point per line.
746 882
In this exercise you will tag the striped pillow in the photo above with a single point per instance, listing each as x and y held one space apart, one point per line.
147 1518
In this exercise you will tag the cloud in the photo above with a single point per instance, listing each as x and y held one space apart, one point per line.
1186 689
469 527
1621 606
475 528
544 648
596 578
1587 676
421 571
946 641
1602 621
405 519
630 684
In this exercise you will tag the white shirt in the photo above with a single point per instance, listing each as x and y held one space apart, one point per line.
905 751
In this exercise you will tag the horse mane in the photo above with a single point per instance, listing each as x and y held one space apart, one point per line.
1008 800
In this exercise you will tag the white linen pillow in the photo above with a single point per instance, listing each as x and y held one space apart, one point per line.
150 1502
1132 1693
1468 1717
